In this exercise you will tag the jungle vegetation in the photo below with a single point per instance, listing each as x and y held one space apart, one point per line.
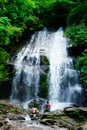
20 16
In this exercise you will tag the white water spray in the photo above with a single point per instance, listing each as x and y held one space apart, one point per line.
63 82
64 86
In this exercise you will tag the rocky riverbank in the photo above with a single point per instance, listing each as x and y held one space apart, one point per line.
14 117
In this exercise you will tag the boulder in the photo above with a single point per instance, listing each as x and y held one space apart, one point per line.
77 113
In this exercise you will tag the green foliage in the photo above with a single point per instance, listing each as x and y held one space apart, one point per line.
78 14
61 10
3 68
43 89
19 12
3 55
44 3
7 31
54 14
77 34
70 1
82 66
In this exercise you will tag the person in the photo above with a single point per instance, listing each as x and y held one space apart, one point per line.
47 107
34 110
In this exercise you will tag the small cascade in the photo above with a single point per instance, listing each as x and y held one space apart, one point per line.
63 84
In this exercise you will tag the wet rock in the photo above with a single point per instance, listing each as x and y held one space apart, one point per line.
13 117
35 116
80 128
58 118
1 124
48 122
77 113
5 108
83 127
71 109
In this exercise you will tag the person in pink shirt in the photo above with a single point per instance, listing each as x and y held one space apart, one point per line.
47 107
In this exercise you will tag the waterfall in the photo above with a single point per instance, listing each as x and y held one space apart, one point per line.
63 84
64 87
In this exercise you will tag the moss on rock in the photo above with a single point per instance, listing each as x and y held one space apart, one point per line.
44 60
43 89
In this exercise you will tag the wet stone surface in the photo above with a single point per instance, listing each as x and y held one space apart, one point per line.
14 117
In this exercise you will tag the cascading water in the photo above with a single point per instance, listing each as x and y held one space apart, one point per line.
63 85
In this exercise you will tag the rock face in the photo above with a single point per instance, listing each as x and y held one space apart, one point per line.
13 117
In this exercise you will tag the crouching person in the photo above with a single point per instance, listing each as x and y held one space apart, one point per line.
34 113
34 110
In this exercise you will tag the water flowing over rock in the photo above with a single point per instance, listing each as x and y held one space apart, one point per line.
61 85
